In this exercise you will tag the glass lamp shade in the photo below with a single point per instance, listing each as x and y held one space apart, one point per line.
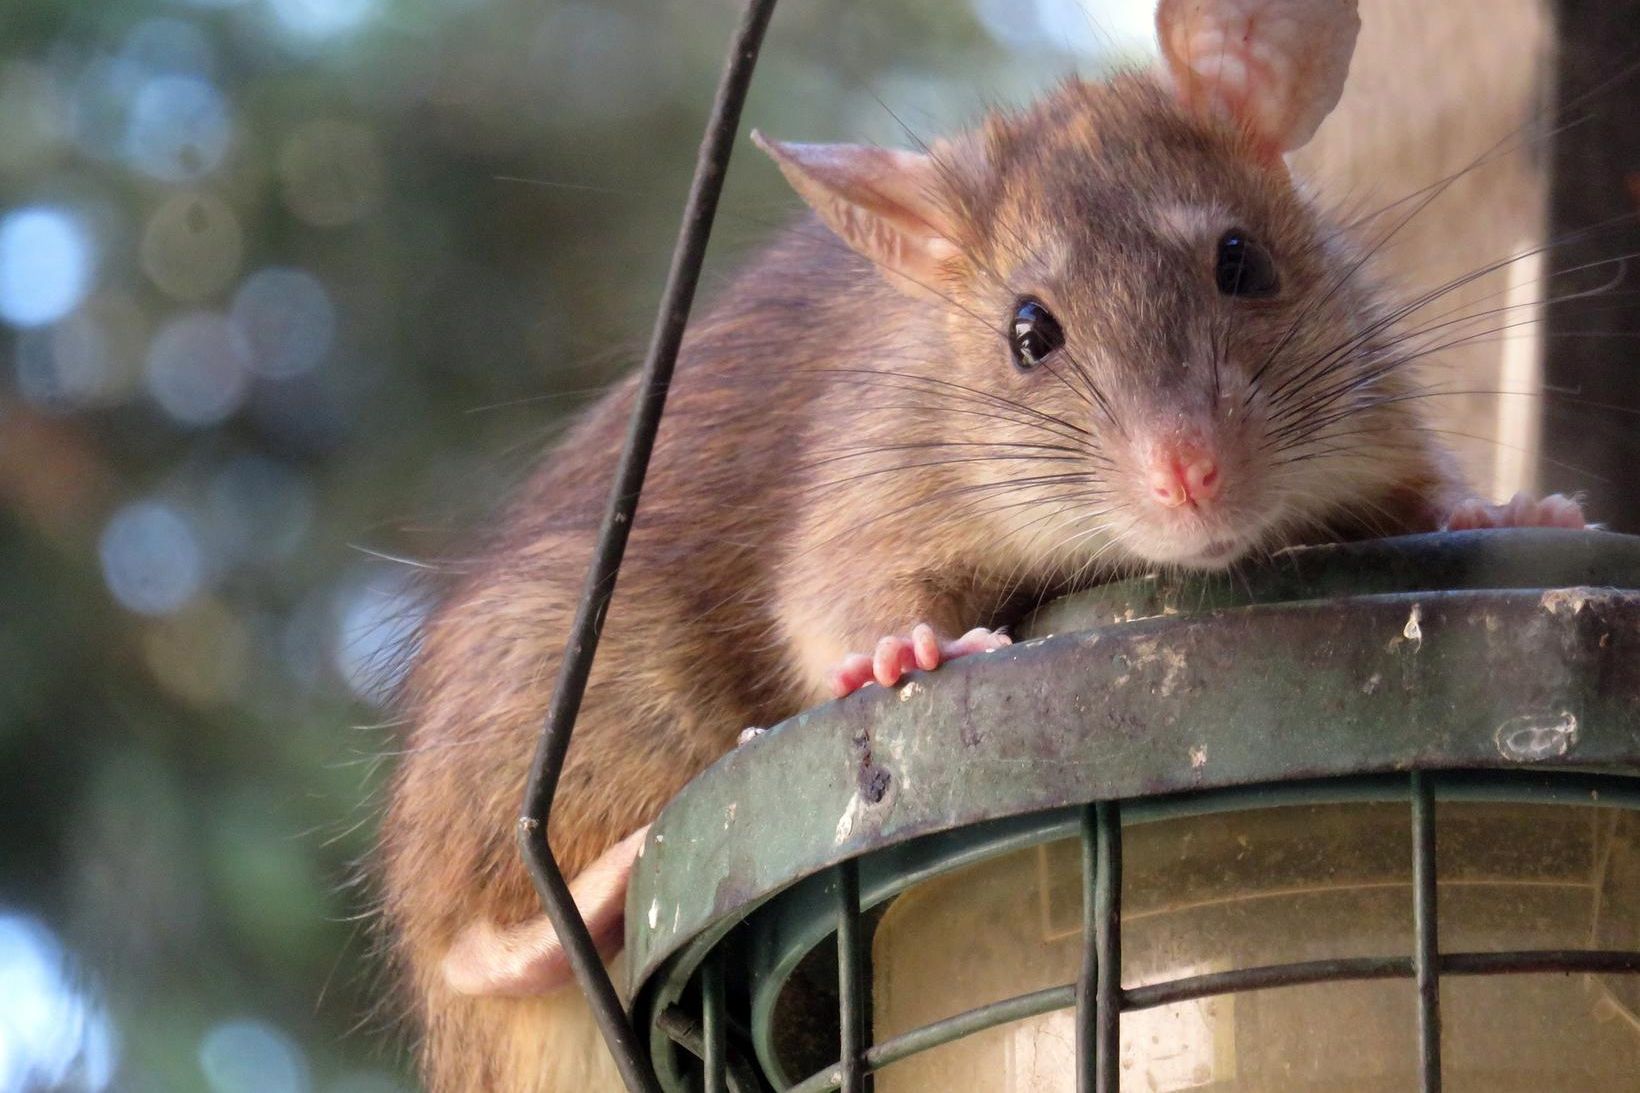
1224 891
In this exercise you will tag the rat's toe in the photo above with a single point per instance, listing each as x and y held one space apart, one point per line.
1559 511
893 658
977 640
1469 514
853 673
1520 511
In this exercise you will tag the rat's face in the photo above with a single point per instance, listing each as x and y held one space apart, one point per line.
1149 345
1186 350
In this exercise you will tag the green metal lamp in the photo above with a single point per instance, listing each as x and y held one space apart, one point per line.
1356 820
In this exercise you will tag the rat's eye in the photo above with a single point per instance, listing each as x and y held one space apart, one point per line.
1034 334
1244 267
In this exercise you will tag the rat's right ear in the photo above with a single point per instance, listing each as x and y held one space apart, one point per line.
1274 67
882 202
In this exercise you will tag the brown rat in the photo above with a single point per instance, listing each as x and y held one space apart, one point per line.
1104 333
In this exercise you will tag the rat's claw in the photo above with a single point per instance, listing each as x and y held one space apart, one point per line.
1520 511
897 654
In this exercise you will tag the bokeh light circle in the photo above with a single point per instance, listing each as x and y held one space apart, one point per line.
249 1056
286 319
322 18
198 370
151 558
53 1035
377 618
179 128
192 245
46 261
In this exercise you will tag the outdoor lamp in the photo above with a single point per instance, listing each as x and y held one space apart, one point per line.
1360 819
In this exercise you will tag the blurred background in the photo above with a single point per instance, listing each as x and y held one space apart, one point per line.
291 291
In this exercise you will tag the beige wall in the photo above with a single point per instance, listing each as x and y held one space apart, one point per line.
1434 85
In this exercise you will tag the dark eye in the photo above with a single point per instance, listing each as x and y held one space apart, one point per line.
1034 334
1244 267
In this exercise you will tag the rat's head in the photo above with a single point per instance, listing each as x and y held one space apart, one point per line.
1149 325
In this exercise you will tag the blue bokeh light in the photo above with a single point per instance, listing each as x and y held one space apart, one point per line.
198 369
322 18
286 319
151 557
250 1056
179 128
46 261
377 618
1092 27
53 1034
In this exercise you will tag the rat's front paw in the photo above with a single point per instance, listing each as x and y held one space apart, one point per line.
1521 511
897 654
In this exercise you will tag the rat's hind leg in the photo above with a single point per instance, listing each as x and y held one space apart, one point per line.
1520 511
898 654
527 957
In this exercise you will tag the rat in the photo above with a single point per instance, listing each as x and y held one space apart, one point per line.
1096 336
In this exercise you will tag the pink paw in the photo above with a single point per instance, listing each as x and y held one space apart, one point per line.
1521 511
896 655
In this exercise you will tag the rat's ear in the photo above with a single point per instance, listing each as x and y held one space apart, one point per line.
1275 67
882 202
528 958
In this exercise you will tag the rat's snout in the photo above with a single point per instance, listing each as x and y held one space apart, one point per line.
1183 473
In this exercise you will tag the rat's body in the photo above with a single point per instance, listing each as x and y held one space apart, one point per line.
846 455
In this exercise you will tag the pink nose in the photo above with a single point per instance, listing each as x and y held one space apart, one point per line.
1183 475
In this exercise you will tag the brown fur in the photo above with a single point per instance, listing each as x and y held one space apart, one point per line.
824 475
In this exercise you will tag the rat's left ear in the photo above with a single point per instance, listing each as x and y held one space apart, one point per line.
1274 67
884 203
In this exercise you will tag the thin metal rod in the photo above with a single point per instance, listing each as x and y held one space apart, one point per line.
1296 974
852 986
1107 900
676 300
712 1023
1426 960
969 1022
1087 1044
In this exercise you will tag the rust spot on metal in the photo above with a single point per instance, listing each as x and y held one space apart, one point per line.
873 779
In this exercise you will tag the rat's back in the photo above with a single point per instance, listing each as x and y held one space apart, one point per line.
689 657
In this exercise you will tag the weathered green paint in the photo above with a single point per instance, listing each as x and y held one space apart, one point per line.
1265 683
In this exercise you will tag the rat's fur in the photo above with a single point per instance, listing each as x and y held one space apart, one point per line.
839 460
